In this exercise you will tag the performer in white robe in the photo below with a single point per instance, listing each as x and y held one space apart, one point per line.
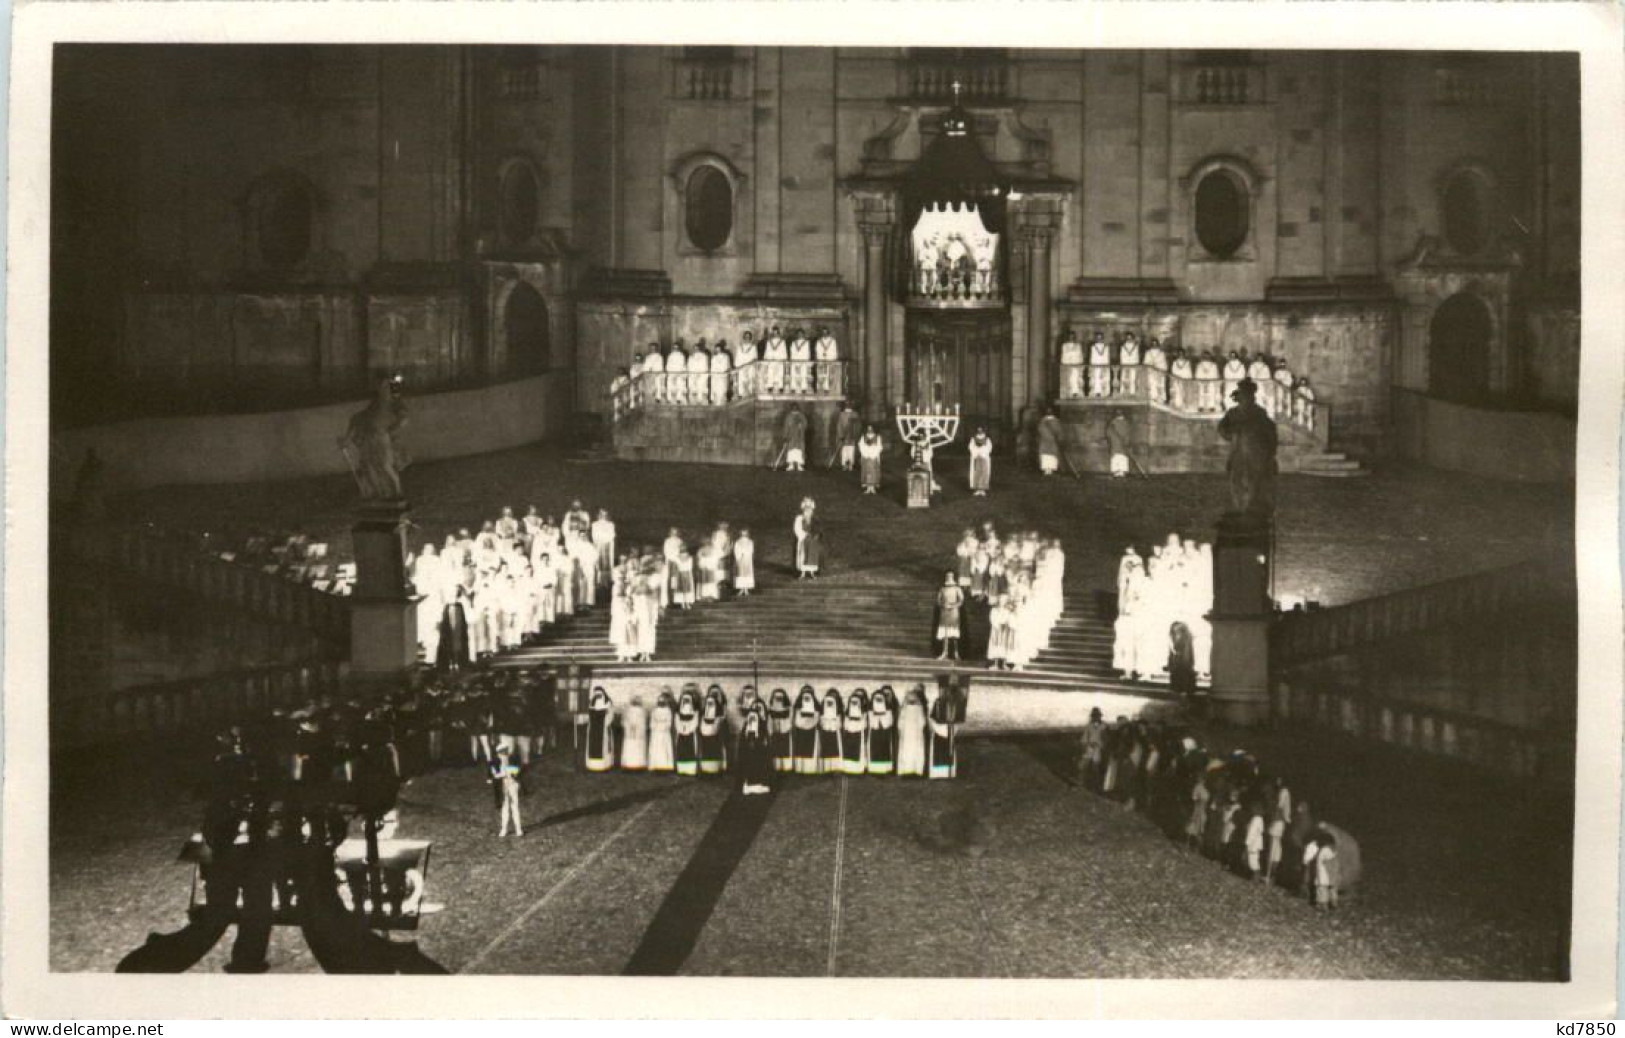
621 634
800 364
646 610
721 364
745 367
1284 383
1072 367
1001 636
1201 572
870 449
1303 404
585 556
544 583
911 722
1235 369
1128 366
981 463
1259 371
654 375
661 734
925 264
1127 639
429 580
677 374
744 563
634 383
634 736
699 374
705 573
1100 366
1156 372
1209 385
827 355
1182 394
775 357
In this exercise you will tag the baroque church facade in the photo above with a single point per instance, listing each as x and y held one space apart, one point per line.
242 228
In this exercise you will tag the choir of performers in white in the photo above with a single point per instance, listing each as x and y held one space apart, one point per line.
701 375
1162 632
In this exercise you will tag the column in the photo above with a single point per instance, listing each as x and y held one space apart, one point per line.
1038 307
876 213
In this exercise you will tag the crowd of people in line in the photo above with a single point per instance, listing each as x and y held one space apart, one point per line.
1193 383
494 590
1226 806
1020 578
647 582
797 365
756 738
1162 632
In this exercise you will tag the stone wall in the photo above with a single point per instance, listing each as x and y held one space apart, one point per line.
746 432
295 444
1551 373
1163 441
1523 445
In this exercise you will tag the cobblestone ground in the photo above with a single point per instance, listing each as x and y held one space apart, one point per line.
1337 539
1009 871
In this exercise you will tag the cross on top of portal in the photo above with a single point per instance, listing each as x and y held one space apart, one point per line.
957 87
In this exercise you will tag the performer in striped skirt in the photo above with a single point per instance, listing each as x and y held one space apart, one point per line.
804 732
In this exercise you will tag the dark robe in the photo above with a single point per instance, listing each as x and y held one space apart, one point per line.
847 428
1049 436
713 736
454 634
779 728
795 432
687 728
1251 466
882 734
830 752
755 753
600 754
1181 661
804 736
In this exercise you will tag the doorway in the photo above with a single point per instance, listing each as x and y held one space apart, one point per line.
1459 338
963 359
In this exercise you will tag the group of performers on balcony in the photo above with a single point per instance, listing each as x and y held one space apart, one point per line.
1192 383
709 376
951 269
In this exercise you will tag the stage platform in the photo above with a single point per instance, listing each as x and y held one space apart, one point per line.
842 634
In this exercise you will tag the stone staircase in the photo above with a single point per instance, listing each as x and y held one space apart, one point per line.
827 630
1334 464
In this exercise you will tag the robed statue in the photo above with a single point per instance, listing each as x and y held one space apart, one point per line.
1253 440
370 443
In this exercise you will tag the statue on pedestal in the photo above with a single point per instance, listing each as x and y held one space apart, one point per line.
1253 441
369 444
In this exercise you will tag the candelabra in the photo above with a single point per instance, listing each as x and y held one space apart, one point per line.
931 425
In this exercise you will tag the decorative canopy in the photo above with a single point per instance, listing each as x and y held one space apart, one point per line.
952 168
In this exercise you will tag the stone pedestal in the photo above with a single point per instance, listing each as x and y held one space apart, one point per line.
383 638
383 609
919 488
1242 616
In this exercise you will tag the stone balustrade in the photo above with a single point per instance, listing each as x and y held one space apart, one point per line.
182 566
757 380
193 705
1330 632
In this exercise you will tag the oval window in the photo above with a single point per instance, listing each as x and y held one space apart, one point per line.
709 201
1221 213
285 226
519 206
1464 218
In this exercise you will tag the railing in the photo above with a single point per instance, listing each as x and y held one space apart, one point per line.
1505 748
963 285
1192 397
1300 637
979 82
191 705
1224 84
269 596
709 79
757 380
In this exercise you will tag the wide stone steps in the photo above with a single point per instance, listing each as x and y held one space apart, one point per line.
1332 464
826 631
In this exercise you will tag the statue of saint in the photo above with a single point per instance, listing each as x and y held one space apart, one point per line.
1252 438
369 444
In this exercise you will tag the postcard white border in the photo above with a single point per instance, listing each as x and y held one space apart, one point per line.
1594 30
